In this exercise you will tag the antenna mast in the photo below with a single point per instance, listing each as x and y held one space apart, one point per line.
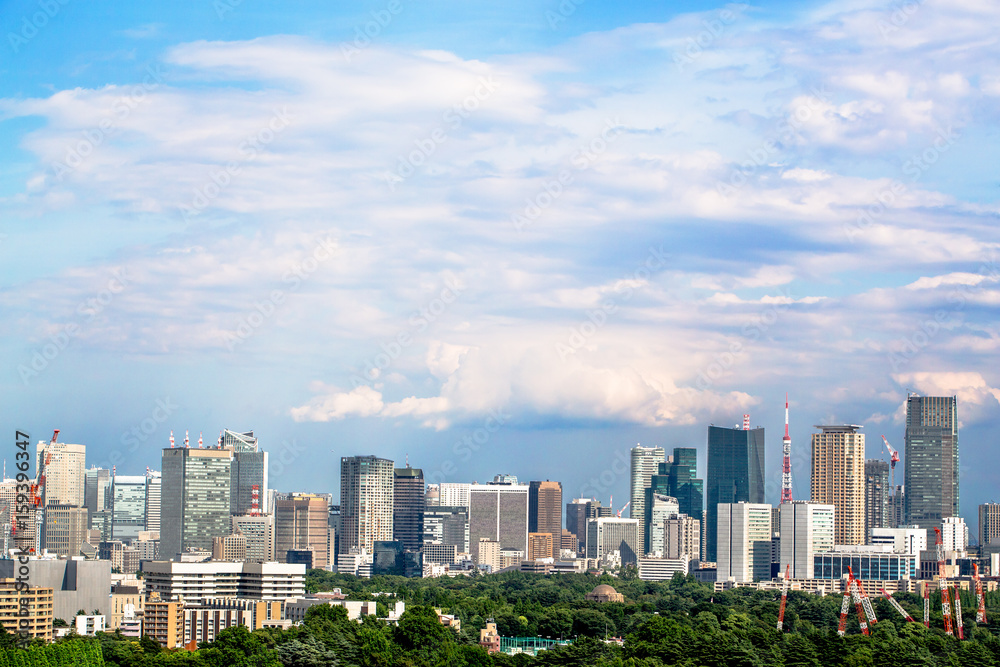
786 466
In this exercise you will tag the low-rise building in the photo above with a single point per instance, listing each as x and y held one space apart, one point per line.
27 611
868 562
194 582
662 569
163 620
88 626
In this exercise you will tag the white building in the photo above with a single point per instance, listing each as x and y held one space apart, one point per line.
609 534
194 582
903 540
489 554
955 534
743 542
663 507
661 569
453 494
806 529
645 463
88 626
357 562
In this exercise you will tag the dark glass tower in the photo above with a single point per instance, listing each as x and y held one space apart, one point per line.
682 483
408 507
877 487
931 460
735 474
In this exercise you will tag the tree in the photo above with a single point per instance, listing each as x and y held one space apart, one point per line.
237 647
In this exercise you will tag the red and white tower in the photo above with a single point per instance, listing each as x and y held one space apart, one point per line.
255 500
786 466
171 440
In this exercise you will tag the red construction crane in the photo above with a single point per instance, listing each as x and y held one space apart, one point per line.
255 500
857 603
624 507
784 597
844 606
980 599
946 608
38 488
893 460
959 624
939 547
927 604
867 604
895 605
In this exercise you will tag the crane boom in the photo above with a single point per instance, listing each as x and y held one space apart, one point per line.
895 605
893 460
959 625
946 608
845 605
980 600
927 605
784 596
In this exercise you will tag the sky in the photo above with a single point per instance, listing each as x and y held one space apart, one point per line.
497 238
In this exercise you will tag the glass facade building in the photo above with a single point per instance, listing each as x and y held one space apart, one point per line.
931 460
735 474
194 499
878 567
877 488
498 512
408 507
128 507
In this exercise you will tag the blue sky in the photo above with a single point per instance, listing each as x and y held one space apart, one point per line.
598 225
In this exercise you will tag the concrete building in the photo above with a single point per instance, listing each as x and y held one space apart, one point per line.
545 512
202 623
408 507
954 534
744 542
868 562
488 554
806 529
498 512
126 600
440 554
128 506
65 529
96 492
194 582
577 513
35 621
838 478
645 463
195 499
931 461
75 584
608 534
65 478
454 494
366 502
248 490
735 474
230 547
540 546
659 508
906 540
877 493
989 523
154 488
163 620
662 569
447 525
682 538
259 533
301 521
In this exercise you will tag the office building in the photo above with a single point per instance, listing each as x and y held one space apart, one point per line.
153 492
659 508
96 492
453 494
499 512
744 542
408 507
545 512
838 479
65 478
366 502
877 493
128 507
662 569
301 521
432 496
878 563
606 535
735 474
487 554
806 529
989 523
259 534
195 582
931 460
577 513
440 554
194 499
954 534
683 483
447 525
645 463
65 529
248 474
682 538
897 507
230 547
390 558
906 540
540 545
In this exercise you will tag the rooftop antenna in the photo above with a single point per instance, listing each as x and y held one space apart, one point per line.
201 443
187 440
746 422
171 440
786 466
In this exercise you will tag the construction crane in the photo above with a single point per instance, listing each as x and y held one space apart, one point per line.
866 603
624 507
857 604
786 465
784 597
844 606
939 547
927 605
895 605
38 488
980 599
946 608
959 625
852 591
893 460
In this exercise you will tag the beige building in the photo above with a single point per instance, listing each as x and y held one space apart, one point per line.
125 597
65 529
545 513
259 531
838 479
163 620
37 602
489 554
65 479
539 545
230 547
302 521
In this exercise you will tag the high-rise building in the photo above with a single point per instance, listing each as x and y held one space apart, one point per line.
366 502
744 542
447 525
128 507
577 513
499 512
432 496
897 507
65 478
230 547
931 460
877 494
838 478
96 492
301 521
989 523
487 552
954 533
806 529
194 499
608 534
540 545
249 469
65 529
408 507
645 463
153 493
682 538
683 483
735 474
259 532
545 512
453 494
659 508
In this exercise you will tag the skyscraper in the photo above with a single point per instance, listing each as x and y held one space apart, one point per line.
683 483
498 512
807 528
65 529
408 507
608 534
249 469
577 513
366 502
65 479
659 508
301 521
153 495
195 499
645 463
743 542
931 460
838 478
128 507
877 490
259 532
447 525
96 492
545 511
735 474
989 523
